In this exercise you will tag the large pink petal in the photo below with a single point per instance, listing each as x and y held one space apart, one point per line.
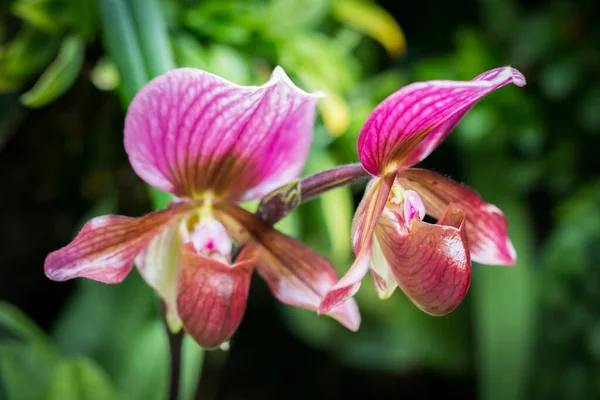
430 262
190 132
212 296
486 225
408 125
105 248
296 275
363 227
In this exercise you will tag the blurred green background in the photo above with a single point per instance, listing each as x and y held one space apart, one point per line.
68 68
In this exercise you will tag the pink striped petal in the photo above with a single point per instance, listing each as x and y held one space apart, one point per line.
363 226
485 224
430 262
408 125
296 275
212 296
191 133
105 248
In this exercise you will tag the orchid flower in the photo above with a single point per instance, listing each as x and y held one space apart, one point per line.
212 144
431 263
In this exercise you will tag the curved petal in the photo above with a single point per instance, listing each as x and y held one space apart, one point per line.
296 275
363 226
383 278
105 248
408 125
485 224
190 132
157 264
431 263
212 296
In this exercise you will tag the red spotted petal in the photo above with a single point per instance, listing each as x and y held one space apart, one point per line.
105 248
189 132
212 296
296 275
431 263
408 125
485 224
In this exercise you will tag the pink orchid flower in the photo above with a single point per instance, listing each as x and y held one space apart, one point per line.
431 263
212 144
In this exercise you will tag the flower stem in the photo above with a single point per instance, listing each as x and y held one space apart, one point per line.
283 200
175 347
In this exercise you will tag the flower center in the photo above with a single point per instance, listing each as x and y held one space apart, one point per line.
205 235
409 200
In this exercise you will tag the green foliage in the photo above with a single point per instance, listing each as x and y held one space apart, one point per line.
59 76
79 379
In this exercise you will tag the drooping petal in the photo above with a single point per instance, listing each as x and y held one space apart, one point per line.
408 125
190 132
485 223
105 248
363 226
431 262
157 264
212 296
383 278
296 275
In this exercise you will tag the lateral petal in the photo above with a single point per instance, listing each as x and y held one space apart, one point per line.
431 262
295 274
157 264
485 224
212 296
106 246
408 125
363 227
189 132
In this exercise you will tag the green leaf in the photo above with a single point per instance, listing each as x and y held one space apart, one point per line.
122 45
191 367
80 379
27 54
59 76
160 199
226 22
504 299
144 365
229 63
27 356
14 324
101 320
285 17
83 17
152 36
39 13
189 52
26 369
